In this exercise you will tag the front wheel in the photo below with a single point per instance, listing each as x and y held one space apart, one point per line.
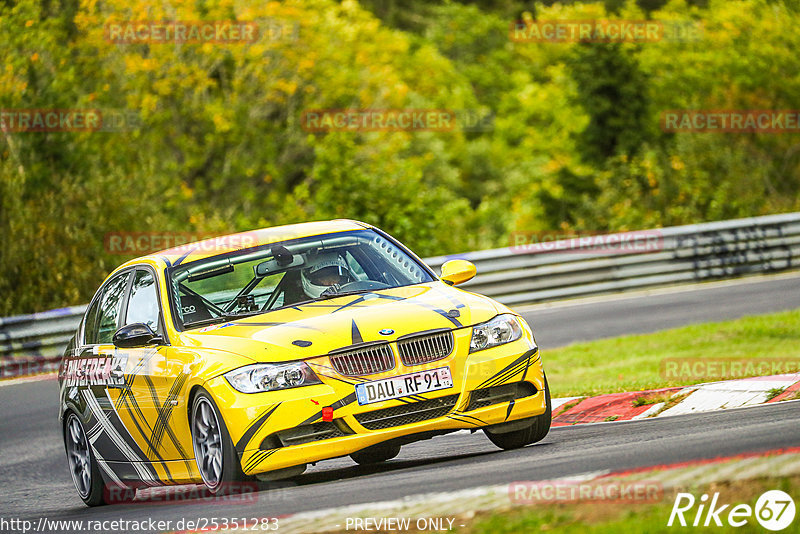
538 429
213 450
82 464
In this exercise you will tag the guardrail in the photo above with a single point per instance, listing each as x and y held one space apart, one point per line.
31 344
678 254
527 273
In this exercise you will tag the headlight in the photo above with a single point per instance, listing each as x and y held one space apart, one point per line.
502 329
269 377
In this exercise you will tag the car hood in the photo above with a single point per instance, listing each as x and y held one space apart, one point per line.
317 328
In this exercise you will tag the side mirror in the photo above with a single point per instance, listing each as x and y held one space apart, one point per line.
456 272
136 335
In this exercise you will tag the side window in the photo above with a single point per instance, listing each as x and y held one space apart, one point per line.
143 305
90 324
110 306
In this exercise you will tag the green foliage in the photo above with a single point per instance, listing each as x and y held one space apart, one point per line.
575 143
613 92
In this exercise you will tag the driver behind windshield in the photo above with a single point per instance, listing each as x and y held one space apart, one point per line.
324 271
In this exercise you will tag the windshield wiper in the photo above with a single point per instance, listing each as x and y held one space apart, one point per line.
326 296
220 318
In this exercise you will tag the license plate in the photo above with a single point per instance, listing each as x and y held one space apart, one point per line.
400 386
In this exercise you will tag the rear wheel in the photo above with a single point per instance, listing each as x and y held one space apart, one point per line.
213 450
82 465
375 454
538 429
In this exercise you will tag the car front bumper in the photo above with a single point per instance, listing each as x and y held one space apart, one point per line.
279 429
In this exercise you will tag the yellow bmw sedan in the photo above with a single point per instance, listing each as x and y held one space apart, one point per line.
251 355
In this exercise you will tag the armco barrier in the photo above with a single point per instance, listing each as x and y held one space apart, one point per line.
685 254
549 271
31 344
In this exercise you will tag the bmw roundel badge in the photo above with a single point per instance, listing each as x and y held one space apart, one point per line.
386 332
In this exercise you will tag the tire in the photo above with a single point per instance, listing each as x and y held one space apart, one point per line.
540 426
214 453
82 464
375 454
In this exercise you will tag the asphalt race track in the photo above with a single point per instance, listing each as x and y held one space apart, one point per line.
34 481
562 324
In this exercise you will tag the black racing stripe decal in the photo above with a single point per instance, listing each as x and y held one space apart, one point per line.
146 439
124 432
356 379
341 403
364 298
505 376
465 416
440 311
253 460
509 370
241 445
170 431
122 470
126 389
133 406
415 397
166 260
510 407
356 334
460 419
457 303
354 302
180 260
257 458
105 442
351 398
531 360
165 412
100 440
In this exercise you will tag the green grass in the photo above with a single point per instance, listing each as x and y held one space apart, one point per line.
774 392
633 363
614 518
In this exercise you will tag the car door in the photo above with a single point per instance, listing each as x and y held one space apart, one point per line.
97 373
154 390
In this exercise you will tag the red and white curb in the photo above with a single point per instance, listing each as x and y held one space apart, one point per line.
455 509
698 398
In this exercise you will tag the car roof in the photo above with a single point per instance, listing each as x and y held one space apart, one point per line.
231 242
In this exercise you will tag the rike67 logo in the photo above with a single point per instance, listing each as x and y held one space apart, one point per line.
774 510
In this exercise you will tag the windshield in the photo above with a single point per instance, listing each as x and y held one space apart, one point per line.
289 273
